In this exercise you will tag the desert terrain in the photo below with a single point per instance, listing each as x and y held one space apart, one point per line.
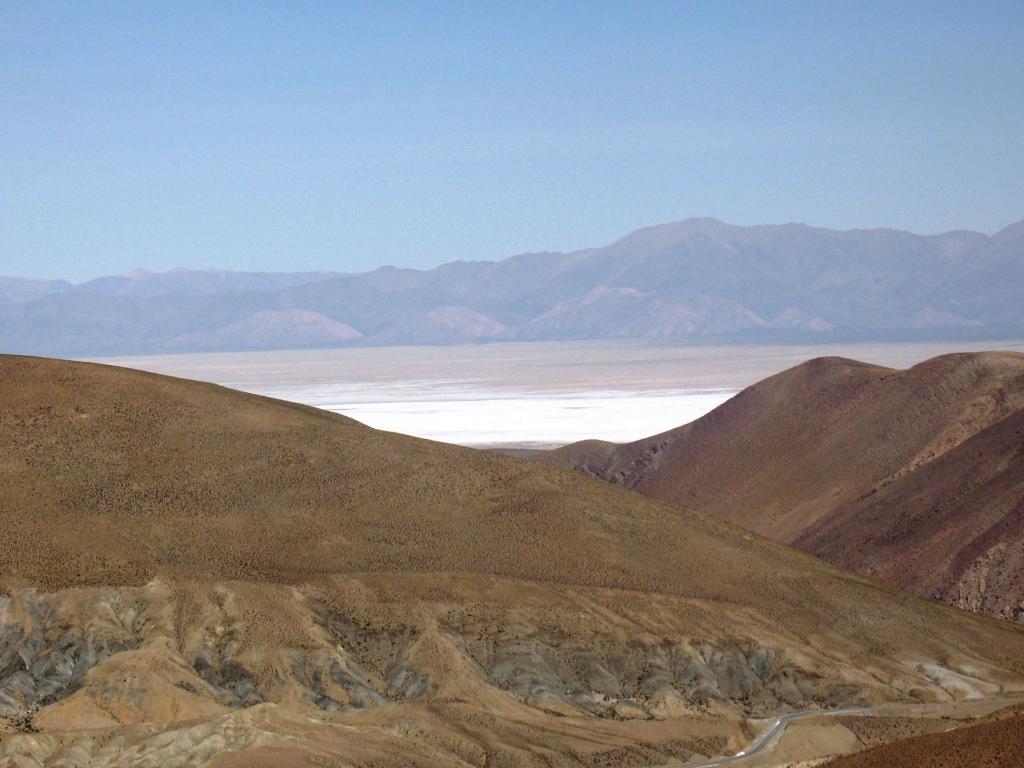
193 575
995 742
914 476
511 385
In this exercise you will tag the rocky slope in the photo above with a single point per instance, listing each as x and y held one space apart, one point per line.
913 476
189 572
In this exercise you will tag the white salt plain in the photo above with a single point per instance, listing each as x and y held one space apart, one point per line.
539 394
481 417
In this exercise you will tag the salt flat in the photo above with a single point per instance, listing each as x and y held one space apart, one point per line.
540 393
485 418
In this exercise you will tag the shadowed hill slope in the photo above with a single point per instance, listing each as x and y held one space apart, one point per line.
998 743
915 475
951 530
261 573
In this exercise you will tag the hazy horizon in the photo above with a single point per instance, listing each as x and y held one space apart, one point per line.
142 269
346 138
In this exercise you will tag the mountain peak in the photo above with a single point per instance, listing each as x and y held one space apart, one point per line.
663 235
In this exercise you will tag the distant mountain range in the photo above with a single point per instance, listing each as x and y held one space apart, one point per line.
699 278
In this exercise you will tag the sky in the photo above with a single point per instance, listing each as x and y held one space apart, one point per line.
344 136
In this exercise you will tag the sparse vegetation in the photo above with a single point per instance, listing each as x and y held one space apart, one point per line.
915 476
997 744
191 570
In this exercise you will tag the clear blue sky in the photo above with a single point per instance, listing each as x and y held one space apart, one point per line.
336 135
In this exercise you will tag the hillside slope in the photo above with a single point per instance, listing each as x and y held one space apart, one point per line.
186 568
951 530
996 743
913 476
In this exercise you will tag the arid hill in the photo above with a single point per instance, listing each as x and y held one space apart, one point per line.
191 573
914 476
996 743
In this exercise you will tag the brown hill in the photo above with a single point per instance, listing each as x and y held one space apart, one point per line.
998 743
951 530
915 476
188 571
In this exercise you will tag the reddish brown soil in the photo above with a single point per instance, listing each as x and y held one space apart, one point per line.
997 744
915 476
952 530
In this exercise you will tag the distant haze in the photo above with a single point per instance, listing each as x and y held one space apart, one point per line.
699 279
345 136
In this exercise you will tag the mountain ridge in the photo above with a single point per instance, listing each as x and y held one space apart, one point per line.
695 279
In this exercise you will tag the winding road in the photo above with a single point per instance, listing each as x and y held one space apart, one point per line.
770 735
768 738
